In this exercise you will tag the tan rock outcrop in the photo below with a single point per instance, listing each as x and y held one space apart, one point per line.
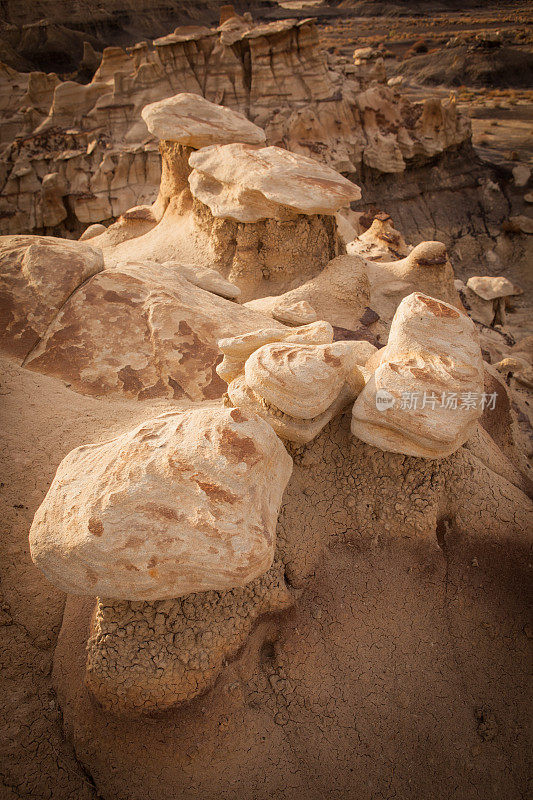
71 103
294 312
186 502
38 274
426 269
339 294
144 331
275 74
237 349
195 122
426 393
92 231
145 657
380 242
269 254
249 184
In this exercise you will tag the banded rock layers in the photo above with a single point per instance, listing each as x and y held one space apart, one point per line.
274 74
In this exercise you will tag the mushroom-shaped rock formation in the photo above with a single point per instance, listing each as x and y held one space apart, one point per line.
426 393
194 122
192 637
426 269
339 294
38 274
299 388
380 242
238 348
146 657
184 123
295 234
186 502
486 298
249 184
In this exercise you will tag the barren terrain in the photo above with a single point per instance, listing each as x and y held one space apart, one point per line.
385 650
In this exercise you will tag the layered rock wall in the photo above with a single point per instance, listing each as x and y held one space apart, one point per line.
104 160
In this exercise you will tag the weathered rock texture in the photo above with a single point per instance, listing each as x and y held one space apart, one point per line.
195 122
426 269
343 493
380 242
132 675
144 331
237 349
297 388
262 257
38 275
339 294
186 502
249 184
429 379
275 74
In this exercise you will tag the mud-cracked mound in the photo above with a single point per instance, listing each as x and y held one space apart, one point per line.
373 522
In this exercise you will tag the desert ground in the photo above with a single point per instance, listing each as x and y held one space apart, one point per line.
266 337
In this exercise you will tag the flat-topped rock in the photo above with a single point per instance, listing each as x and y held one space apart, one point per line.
193 121
489 288
186 502
184 33
248 184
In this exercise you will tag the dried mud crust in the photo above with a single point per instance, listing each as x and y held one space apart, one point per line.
152 656
270 252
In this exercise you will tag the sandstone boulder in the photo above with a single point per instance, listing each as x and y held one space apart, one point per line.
186 502
426 393
38 274
299 388
195 122
248 184
238 348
